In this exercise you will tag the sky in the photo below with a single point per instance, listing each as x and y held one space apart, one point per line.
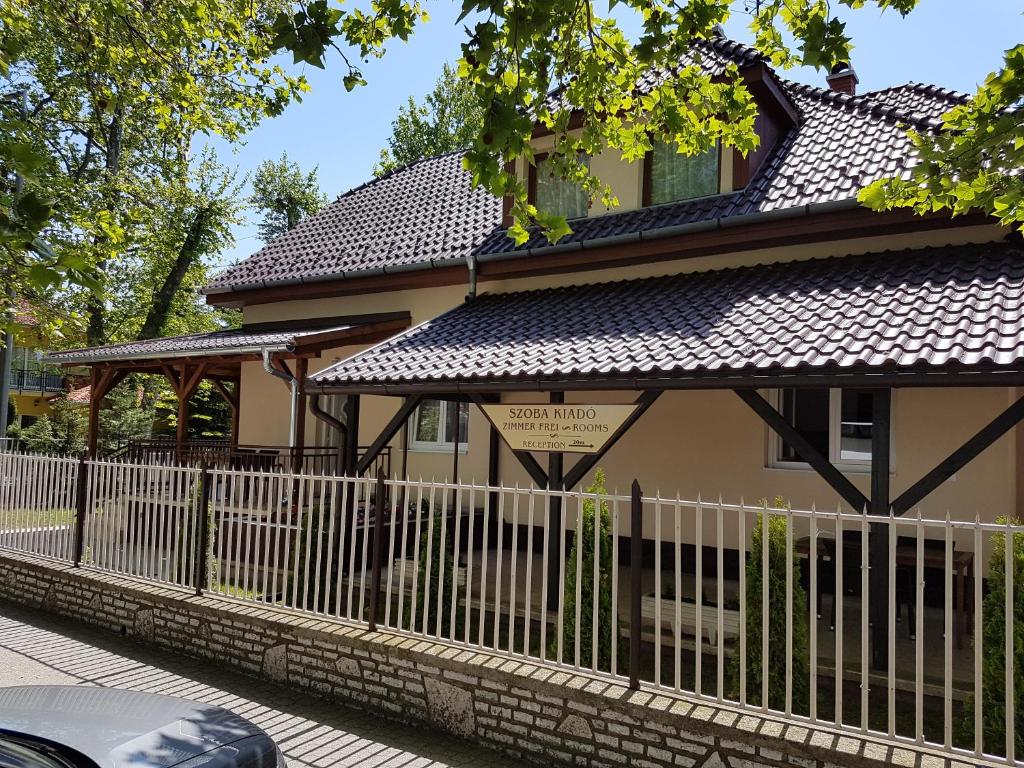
953 43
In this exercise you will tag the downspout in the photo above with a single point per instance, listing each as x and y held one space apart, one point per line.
330 421
471 265
293 384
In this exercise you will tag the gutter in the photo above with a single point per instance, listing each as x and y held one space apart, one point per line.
60 358
330 421
473 259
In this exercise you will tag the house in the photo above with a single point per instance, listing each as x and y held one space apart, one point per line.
33 384
719 273
740 328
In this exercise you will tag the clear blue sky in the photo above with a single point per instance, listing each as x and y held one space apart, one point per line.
953 43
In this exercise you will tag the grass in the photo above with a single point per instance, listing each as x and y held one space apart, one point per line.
17 519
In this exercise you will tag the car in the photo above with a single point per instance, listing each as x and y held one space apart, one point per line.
69 726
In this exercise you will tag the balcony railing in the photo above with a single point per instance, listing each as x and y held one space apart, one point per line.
29 380
317 460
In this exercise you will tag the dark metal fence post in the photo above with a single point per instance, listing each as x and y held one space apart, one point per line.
81 507
636 555
203 533
378 548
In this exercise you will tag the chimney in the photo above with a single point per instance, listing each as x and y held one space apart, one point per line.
842 78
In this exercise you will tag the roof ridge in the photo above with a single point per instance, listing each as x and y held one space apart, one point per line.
929 89
863 103
397 170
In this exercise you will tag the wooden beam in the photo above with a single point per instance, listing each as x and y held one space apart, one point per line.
231 398
389 431
960 458
836 479
351 435
587 463
192 382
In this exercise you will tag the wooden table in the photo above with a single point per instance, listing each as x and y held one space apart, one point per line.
906 554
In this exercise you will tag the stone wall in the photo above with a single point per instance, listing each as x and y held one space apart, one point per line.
535 713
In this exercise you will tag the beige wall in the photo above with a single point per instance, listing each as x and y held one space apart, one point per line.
690 442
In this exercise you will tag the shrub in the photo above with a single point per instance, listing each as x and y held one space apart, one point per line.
993 637
429 591
607 618
776 662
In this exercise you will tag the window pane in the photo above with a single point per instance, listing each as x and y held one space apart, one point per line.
855 425
462 413
807 411
428 421
681 177
556 195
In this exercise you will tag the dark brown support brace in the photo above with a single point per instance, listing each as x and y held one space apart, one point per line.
530 464
389 431
960 458
582 467
836 479
101 384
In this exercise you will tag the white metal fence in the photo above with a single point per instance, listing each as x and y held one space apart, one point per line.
907 628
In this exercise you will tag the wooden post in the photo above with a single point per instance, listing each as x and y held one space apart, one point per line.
351 434
378 547
636 556
95 399
878 556
203 533
81 507
182 430
557 553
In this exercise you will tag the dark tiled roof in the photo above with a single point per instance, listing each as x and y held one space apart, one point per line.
931 309
920 100
428 213
234 340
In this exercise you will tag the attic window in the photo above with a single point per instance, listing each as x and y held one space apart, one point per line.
553 194
672 176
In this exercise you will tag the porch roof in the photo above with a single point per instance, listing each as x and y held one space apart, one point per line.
931 315
292 337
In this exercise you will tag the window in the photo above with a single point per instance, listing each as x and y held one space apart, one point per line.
837 422
673 176
553 194
434 425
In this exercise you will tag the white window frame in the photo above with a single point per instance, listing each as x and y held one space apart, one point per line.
437 446
835 413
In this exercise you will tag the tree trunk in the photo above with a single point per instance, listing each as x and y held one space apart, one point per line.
160 309
96 331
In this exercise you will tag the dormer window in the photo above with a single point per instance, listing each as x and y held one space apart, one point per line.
671 176
553 194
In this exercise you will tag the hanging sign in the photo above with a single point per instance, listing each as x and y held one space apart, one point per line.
557 428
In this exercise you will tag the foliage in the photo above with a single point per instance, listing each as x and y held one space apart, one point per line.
116 94
62 432
38 437
973 160
284 195
430 547
607 620
776 611
448 119
128 416
993 637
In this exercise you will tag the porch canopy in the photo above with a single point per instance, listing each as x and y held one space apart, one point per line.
950 316
218 356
